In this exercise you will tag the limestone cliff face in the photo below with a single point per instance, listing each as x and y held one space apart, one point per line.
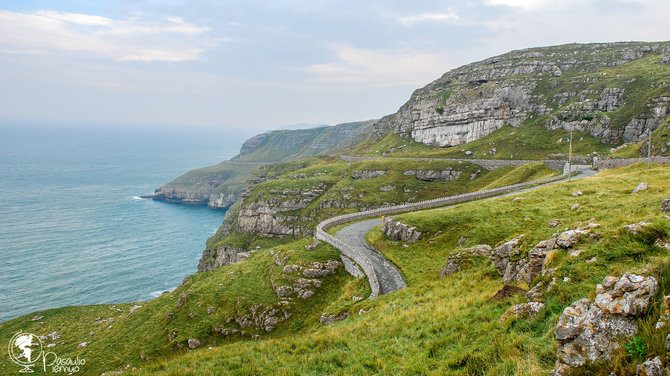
568 85
264 216
219 256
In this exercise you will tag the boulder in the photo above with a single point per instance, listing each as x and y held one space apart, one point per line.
567 238
588 332
501 254
193 343
652 367
523 310
327 320
312 246
396 230
629 295
636 227
553 223
665 206
641 187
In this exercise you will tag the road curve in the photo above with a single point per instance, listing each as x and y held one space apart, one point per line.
388 275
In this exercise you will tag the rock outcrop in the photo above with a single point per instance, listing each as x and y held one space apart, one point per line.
433 175
368 174
509 262
474 100
220 256
589 332
455 262
396 230
263 216
530 309
640 187
327 320
665 206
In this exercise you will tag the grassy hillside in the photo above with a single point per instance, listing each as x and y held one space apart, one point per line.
449 326
342 193
228 178
434 326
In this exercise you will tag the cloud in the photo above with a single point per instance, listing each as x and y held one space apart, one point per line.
379 67
527 5
171 40
427 17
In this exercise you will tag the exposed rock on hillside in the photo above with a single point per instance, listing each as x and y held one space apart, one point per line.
396 230
432 175
367 174
523 310
589 331
455 262
259 216
219 256
472 101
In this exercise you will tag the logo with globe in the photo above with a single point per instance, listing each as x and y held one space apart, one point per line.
25 349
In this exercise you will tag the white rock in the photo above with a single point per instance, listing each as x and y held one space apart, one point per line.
641 187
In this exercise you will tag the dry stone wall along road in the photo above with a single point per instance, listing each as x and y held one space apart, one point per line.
488 164
383 277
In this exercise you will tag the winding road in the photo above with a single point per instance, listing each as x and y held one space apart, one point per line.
389 277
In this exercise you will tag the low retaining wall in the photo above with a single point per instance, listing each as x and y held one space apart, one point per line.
605 164
488 164
364 262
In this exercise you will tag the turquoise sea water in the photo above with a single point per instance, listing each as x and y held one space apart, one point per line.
72 227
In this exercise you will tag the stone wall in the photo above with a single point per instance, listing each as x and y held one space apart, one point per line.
615 162
364 262
488 164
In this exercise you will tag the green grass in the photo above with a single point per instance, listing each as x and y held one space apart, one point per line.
449 326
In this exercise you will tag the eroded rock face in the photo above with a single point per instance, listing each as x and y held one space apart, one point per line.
220 256
433 175
629 295
472 101
263 216
367 174
396 230
590 331
501 255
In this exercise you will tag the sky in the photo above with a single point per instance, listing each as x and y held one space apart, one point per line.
260 65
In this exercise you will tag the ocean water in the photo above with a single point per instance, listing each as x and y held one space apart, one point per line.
73 229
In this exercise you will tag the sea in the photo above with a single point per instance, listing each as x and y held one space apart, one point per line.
73 228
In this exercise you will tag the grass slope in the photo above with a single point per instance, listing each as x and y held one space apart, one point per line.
448 326
345 194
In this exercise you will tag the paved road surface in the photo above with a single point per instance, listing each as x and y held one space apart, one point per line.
388 275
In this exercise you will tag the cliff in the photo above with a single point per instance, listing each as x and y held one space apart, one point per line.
614 91
219 186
